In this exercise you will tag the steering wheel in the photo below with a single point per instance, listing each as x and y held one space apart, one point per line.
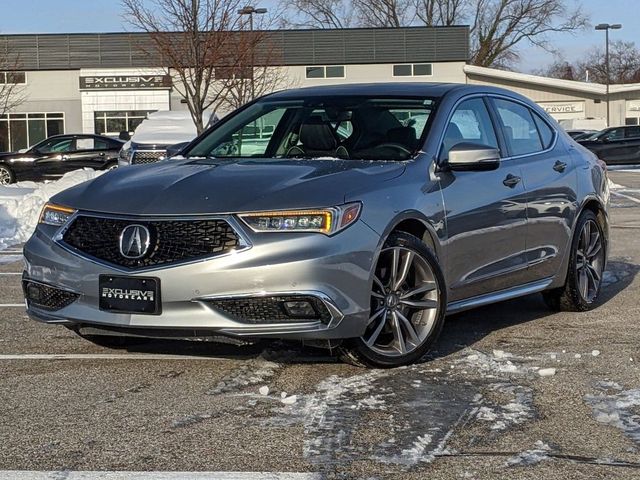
397 146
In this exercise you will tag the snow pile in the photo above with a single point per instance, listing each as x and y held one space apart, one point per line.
530 457
518 410
21 203
617 409
491 366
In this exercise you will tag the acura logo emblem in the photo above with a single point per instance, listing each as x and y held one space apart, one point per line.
134 241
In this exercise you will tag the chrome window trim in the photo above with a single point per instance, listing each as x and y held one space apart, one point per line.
244 242
504 97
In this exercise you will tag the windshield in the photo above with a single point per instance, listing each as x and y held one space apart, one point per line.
361 128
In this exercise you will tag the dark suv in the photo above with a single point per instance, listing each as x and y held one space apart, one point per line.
616 145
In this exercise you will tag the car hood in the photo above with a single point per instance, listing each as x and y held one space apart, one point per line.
181 187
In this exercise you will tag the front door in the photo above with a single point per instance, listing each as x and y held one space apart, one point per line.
485 212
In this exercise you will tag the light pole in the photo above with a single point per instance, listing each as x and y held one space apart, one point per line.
606 27
251 11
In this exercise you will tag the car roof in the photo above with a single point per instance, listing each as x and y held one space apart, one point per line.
393 89
92 135
371 89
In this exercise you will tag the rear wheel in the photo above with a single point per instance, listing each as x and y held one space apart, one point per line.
6 175
586 266
408 304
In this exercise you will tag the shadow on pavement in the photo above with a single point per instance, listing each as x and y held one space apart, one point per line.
460 330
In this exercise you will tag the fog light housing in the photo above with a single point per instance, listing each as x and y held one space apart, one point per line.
299 309
34 292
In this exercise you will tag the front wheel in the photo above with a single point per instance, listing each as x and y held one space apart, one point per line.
586 266
408 304
6 175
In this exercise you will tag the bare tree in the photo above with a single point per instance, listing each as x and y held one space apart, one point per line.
318 13
12 90
624 65
497 27
194 38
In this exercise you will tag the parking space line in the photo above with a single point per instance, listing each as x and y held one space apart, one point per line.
55 475
628 197
10 273
12 305
105 356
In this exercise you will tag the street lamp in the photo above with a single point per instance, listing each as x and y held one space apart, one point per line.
606 27
251 11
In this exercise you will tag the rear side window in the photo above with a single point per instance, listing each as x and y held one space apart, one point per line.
632 132
545 131
520 130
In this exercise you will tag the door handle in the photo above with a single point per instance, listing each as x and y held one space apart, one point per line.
511 181
65 157
559 166
102 154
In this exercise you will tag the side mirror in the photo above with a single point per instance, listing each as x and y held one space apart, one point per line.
473 156
174 150
124 135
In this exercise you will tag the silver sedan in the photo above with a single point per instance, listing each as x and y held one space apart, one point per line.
353 216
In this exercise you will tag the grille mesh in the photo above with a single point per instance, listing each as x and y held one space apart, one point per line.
267 309
171 240
150 156
47 297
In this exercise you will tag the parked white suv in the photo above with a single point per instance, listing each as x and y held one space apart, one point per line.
158 132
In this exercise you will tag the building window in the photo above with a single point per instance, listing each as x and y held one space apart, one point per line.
112 123
23 130
18 78
413 70
332 71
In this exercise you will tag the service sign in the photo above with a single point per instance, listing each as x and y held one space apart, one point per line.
128 82
562 107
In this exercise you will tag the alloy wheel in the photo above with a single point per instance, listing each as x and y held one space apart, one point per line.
404 303
589 261
5 176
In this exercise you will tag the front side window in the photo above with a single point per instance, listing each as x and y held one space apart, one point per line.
345 127
520 131
612 134
470 123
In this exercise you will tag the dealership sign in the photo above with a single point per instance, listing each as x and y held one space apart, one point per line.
129 82
564 107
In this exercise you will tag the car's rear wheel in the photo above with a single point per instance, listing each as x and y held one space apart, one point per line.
408 304
586 266
6 175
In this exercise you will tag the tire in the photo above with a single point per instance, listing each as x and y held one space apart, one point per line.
7 176
586 264
402 326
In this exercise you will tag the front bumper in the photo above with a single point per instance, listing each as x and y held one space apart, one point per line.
335 270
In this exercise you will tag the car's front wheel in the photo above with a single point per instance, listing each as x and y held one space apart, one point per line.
408 305
6 175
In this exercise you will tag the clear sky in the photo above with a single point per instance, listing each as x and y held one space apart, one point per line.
53 16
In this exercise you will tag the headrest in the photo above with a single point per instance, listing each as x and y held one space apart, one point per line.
315 134
404 136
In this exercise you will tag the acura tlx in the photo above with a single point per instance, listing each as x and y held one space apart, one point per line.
355 216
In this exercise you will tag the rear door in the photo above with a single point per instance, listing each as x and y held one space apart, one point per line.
549 180
631 153
485 210
90 152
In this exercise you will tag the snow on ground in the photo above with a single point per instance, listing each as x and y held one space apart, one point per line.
530 457
618 408
21 203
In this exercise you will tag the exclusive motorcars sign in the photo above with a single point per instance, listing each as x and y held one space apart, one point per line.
128 82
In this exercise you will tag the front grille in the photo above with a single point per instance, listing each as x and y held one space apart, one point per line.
171 241
47 297
257 310
147 156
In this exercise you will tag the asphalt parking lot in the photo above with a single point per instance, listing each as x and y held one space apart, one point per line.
513 391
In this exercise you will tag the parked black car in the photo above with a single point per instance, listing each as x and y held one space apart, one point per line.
616 145
58 155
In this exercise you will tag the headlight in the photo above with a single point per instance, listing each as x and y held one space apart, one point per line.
125 155
55 215
323 220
